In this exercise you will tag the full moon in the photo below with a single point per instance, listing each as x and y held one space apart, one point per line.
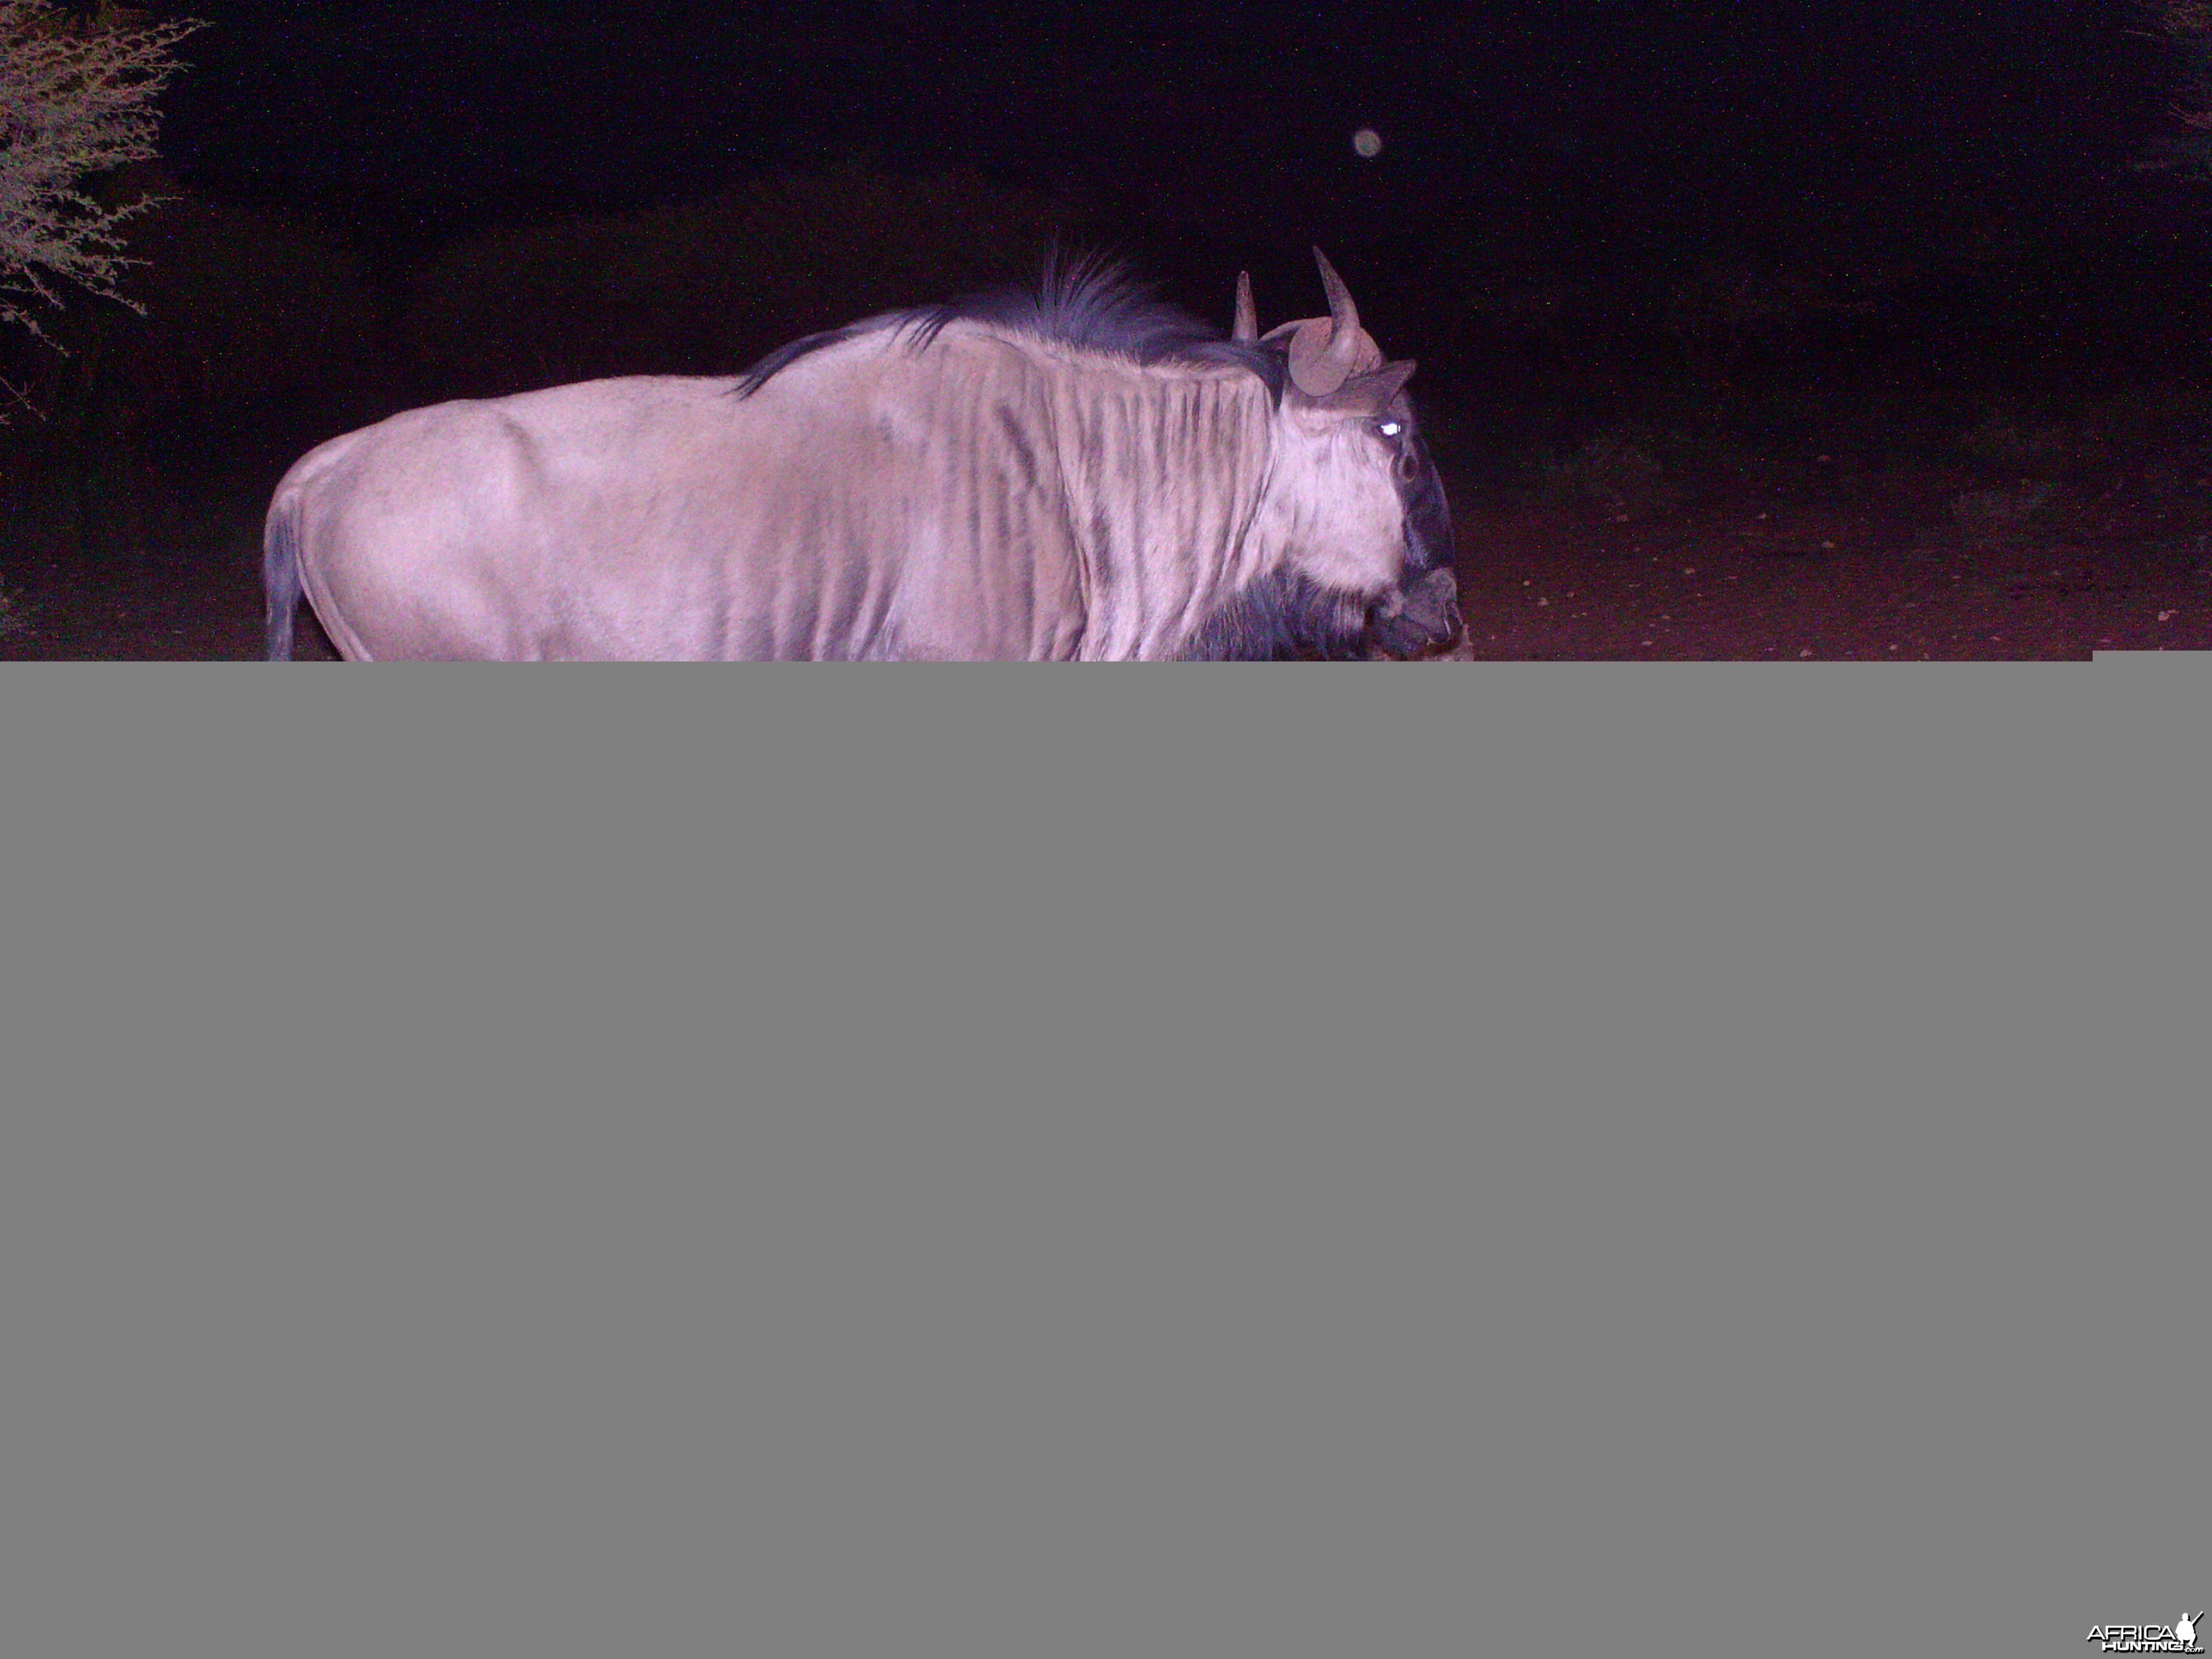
1367 142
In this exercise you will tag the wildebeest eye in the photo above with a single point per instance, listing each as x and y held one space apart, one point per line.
1389 428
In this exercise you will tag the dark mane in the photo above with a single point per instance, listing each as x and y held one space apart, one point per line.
1091 302
1280 617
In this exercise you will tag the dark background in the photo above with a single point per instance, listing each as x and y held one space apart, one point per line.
1793 224
1639 129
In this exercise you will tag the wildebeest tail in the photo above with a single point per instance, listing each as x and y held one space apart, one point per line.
280 577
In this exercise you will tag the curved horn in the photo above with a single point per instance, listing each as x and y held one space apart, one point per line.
1344 343
1246 330
1324 354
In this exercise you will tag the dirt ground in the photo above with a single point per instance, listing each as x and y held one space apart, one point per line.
1816 562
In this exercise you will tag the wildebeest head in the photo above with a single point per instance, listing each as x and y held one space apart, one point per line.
1351 495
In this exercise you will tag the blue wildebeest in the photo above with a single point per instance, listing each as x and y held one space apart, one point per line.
1076 473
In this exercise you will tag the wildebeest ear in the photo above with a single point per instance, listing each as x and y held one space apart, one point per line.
1328 353
1369 394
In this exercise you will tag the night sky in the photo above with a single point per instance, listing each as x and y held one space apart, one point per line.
1865 124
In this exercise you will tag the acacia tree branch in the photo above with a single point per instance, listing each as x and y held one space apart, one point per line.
76 99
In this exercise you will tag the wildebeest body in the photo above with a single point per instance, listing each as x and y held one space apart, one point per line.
955 486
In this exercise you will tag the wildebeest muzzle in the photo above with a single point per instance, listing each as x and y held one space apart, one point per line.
1416 621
